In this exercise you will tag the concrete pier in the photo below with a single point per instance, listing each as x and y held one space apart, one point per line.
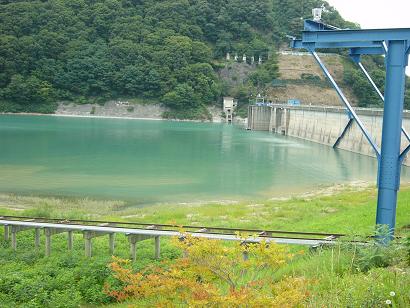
322 124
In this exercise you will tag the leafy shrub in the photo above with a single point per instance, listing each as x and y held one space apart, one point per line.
373 257
211 274
378 253
65 298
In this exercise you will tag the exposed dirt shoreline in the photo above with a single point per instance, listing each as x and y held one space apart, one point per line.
123 110
20 202
110 110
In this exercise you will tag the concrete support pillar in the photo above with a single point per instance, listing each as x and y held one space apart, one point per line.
88 244
6 233
278 123
157 247
70 240
13 237
111 243
133 246
47 232
273 120
287 121
37 238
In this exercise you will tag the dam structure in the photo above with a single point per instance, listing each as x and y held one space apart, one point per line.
332 126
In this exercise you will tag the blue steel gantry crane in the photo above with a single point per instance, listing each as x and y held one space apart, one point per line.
394 44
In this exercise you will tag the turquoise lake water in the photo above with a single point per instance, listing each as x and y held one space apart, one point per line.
163 161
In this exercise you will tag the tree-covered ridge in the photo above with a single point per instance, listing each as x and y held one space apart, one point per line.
82 50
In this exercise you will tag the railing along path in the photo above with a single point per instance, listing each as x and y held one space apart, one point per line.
136 232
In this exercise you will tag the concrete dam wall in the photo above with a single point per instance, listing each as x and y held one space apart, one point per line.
325 125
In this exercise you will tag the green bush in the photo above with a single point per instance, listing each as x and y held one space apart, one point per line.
200 113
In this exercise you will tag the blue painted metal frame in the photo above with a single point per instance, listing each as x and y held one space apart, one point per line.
347 104
395 44
336 36
300 44
366 51
381 96
349 123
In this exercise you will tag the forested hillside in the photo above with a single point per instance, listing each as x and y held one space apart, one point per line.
166 50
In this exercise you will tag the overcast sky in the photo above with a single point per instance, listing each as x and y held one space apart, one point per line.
372 14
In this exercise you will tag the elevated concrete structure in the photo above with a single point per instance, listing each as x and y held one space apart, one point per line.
229 106
323 125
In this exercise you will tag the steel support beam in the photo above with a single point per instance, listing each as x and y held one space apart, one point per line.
372 35
371 45
343 132
347 104
381 96
404 153
367 51
389 166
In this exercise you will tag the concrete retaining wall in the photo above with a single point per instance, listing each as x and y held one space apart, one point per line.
323 125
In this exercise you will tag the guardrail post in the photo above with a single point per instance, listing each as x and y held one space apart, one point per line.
157 247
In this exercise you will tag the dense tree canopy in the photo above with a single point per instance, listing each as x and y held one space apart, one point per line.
96 50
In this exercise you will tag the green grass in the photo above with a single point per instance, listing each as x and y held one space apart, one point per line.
347 211
67 279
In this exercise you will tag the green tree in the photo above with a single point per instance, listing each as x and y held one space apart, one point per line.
183 96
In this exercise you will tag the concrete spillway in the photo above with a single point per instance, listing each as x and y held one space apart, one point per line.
325 125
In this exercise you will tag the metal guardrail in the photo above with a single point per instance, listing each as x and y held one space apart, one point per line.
136 232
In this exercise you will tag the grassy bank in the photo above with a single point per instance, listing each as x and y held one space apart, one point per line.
338 277
347 209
